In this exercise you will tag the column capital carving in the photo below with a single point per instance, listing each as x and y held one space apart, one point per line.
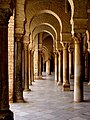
25 46
18 37
78 37
59 52
65 45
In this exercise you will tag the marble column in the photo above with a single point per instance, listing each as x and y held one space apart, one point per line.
40 64
5 113
48 67
32 66
56 67
60 68
23 82
71 66
78 82
36 65
18 88
66 84
26 67
29 67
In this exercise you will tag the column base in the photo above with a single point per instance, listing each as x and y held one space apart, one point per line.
38 77
59 83
19 100
26 90
6 115
66 87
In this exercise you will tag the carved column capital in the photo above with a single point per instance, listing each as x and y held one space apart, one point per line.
25 46
18 37
60 52
78 37
65 45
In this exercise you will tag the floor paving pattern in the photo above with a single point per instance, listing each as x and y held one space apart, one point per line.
47 101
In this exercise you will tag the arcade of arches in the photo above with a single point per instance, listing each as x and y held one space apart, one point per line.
42 35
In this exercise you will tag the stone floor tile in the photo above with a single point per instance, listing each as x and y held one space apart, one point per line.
47 101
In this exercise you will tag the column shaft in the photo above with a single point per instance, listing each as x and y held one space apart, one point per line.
56 67
18 95
48 67
60 68
29 67
40 65
26 67
71 67
32 66
36 72
66 85
78 83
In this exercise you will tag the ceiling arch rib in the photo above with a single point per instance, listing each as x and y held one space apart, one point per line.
48 20
46 53
44 28
34 8
38 7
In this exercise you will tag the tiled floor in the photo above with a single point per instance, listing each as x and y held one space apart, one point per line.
47 101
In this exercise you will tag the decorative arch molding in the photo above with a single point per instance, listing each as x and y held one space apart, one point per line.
34 8
44 27
46 53
46 19
50 13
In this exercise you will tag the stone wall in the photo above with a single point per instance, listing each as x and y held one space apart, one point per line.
11 55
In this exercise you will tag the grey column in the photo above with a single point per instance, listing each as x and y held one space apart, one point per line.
18 95
66 84
26 67
78 83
